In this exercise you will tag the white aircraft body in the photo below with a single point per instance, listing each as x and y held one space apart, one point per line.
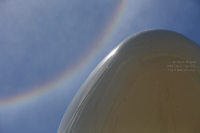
150 83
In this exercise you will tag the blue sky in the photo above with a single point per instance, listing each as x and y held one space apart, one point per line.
48 49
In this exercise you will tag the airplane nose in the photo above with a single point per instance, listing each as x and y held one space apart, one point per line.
150 83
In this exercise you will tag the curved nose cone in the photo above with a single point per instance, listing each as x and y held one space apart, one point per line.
150 83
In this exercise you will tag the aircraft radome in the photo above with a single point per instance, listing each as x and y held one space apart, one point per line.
150 83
